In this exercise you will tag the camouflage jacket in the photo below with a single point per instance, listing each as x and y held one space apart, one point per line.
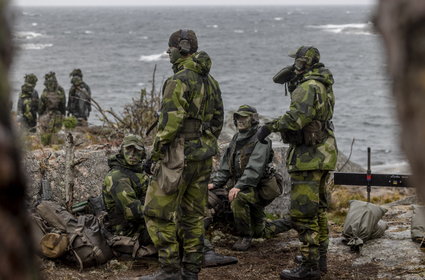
312 99
124 189
244 161
28 105
79 101
52 101
191 108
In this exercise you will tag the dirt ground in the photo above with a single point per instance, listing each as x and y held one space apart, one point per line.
264 260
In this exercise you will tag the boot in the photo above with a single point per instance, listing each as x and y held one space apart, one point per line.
212 259
304 271
163 274
242 244
298 259
323 264
189 275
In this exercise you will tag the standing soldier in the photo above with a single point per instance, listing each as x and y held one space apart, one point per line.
312 153
79 104
190 122
51 108
28 102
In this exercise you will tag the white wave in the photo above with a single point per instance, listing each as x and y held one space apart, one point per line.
27 35
145 37
141 84
154 57
34 24
88 32
351 28
238 31
278 18
35 46
212 26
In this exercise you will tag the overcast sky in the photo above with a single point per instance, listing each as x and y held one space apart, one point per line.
185 2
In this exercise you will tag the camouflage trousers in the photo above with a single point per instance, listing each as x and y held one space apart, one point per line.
250 219
308 212
176 220
50 124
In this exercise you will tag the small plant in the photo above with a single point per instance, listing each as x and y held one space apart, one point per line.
70 122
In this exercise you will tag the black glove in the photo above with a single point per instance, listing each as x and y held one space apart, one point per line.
262 133
147 166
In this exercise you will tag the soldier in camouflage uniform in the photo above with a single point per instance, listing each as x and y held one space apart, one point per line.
124 189
244 164
312 153
79 97
28 103
51 108
191 116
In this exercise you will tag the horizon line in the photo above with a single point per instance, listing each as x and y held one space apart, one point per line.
191 5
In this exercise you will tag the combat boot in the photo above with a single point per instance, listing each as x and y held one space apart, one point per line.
188 275
163 274
304 271
212 259
242 244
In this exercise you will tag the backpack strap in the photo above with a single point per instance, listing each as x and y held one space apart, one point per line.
131 174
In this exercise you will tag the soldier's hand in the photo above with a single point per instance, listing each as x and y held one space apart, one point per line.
233 193
147 166
262 133
211 186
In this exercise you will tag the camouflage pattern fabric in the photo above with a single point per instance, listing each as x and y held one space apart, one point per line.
312 99
179 216
28 105
123 197
79 99
191 94
308 212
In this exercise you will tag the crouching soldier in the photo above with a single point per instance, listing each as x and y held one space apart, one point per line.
246 169
123 191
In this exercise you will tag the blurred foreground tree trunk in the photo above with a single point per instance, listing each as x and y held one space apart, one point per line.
402 25
16 248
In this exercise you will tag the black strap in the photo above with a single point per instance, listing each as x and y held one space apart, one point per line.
131 174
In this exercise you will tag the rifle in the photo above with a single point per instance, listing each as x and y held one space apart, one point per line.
370 179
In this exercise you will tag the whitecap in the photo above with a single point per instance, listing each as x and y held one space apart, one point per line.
88 32
212 26
350 28
35 46
278 18
154 57
27 35
34 24
140 84
145 37
238 31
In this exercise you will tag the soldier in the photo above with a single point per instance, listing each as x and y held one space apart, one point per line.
79 104
28 102
51 108
312 153
190 122
244 165
124 190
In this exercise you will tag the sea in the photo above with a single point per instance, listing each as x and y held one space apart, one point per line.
117 49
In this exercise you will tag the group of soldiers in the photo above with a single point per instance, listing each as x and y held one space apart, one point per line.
51 106
163 198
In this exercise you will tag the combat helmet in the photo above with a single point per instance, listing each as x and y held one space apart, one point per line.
76 73
185 40
310 54
247 111
51 76
31 79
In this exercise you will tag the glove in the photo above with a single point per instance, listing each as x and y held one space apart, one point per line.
147 166
262 133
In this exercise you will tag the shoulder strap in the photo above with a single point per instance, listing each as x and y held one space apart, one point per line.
131 174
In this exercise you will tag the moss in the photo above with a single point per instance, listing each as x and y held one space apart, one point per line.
70 122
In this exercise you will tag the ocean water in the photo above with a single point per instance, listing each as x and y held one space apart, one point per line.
117 49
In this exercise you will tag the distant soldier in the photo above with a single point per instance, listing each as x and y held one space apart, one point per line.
28 102
124 189
79 104
190 122
51 108
308 129
245 164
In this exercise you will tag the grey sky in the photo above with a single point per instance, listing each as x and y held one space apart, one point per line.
185 2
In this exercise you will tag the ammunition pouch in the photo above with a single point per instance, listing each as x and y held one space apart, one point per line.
191 129
293 137
312 134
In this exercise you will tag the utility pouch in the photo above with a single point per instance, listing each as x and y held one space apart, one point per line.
271 187
293 137
314 133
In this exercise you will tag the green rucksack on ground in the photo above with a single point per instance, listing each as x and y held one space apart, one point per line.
363 223
86 243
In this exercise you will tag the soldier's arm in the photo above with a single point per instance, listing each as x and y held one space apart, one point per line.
223 173
42 104
35 100
301 111
256 166
172 114
218 116
71 94
126 198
